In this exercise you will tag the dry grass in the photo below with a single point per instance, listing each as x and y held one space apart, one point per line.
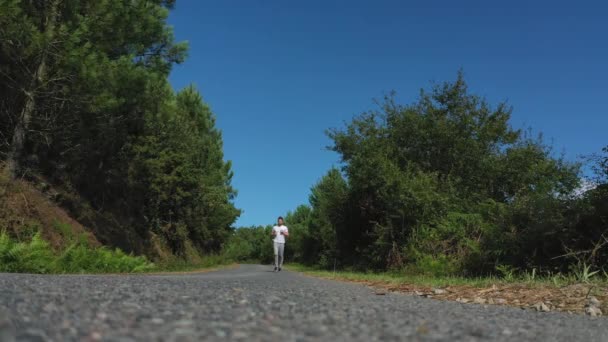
564 296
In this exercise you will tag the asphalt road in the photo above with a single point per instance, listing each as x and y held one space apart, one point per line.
250 303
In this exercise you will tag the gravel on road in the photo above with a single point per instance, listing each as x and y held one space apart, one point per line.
251 303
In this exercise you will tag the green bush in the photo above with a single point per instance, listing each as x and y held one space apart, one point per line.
437 266
79 258
250 244
447 186
36 256
28 257
178 264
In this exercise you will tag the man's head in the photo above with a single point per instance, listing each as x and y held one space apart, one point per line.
280 220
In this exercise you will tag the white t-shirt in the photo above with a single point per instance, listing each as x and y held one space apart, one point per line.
280 238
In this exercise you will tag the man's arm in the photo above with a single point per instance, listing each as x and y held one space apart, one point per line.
285 232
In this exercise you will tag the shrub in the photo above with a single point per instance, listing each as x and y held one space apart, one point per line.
28 257
36 256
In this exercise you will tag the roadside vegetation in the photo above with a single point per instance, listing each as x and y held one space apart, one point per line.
399 278
37 256
574 293
445 190
89 120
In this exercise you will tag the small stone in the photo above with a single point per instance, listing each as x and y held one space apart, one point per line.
500 301
541 307
34 335
507 331
157 320
593 311
592 301
604 306
7 329
462 300
479 300
220 333
95 336
381 292
239 335
102 315
50 307
439 291
122 339
418 293
183 323
491 301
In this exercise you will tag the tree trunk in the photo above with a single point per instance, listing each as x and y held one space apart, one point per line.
38 79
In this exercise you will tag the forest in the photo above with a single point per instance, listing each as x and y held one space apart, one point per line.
86 107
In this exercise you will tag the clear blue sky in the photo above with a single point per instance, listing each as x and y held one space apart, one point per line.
278 73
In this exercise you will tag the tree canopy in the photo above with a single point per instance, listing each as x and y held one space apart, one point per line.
86 102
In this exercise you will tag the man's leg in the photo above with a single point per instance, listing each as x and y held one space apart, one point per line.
281 254
276 255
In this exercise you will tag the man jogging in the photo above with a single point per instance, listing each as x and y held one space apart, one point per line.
279 232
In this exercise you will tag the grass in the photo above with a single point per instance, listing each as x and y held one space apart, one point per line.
36 256
530 279
205 263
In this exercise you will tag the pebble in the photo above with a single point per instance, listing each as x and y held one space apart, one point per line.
7 329
50 307
33 335
593 307
479 300
592 301
439 291
239 335
183 323
593 311
157 320
541 307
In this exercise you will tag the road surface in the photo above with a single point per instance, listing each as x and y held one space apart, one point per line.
250 303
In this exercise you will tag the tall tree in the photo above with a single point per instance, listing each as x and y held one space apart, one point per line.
85 100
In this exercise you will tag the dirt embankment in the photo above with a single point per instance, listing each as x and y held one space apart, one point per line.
63 217
25 210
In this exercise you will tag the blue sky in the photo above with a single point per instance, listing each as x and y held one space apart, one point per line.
278 73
